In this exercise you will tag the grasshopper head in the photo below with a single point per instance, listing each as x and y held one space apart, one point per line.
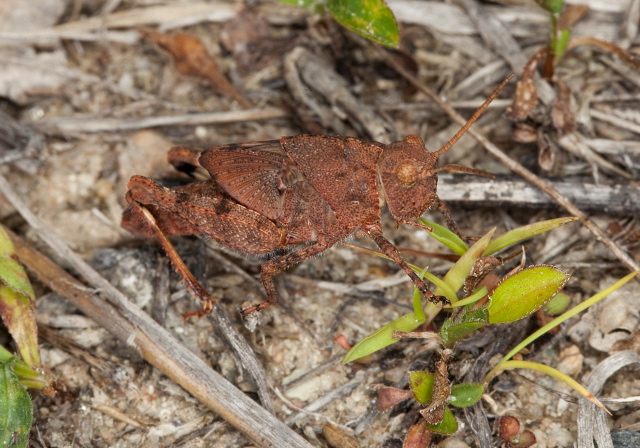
405 172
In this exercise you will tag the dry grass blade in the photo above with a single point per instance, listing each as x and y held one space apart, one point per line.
499 37
592 422
65 126
133 18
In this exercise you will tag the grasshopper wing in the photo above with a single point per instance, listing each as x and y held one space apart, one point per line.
255 174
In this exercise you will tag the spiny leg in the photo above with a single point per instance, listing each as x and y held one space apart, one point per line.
197 288
446 214
278 265
375 232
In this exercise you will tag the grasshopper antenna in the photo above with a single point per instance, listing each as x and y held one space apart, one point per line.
473 118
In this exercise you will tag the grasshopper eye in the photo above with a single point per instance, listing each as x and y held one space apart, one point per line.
407 173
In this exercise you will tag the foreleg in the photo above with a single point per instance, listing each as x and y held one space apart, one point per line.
375 232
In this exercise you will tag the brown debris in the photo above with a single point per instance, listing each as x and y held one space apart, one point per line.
339 438
526 97
562 110
192 58
418 436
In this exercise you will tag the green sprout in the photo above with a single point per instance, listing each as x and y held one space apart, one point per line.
372 19
17 308
519 294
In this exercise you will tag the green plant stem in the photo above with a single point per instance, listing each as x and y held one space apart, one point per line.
558 320
417 298
24 371
430 312
479 294
36 384
510 365
28 377
5 355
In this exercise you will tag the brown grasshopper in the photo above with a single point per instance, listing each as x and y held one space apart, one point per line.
303 194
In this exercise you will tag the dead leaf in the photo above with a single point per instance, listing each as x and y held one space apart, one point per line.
509 427
434 413
546 152
338 438
523 133
480 269
526 97
389 396
191 58
630 58
562 113
525 100
570 15
418 436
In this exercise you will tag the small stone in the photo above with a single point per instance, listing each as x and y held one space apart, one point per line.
625 439
571 360
452 442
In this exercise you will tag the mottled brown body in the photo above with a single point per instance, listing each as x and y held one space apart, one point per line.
304 190
275 195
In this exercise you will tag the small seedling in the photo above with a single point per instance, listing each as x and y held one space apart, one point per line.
561 18
519 294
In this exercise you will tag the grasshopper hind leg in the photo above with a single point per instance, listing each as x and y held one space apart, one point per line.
277 265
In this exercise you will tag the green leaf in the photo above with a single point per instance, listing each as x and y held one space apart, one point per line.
304 3
11 271
311 4
417 298
558 304
525 292
465 394
16 410
443 288
508 365
382 337
446 237
553 6
459 271
421 384
524 232
447 426
559 320
560 44
456 328
369 18
17 313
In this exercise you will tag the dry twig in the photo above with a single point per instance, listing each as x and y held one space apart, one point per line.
590 197
66 126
